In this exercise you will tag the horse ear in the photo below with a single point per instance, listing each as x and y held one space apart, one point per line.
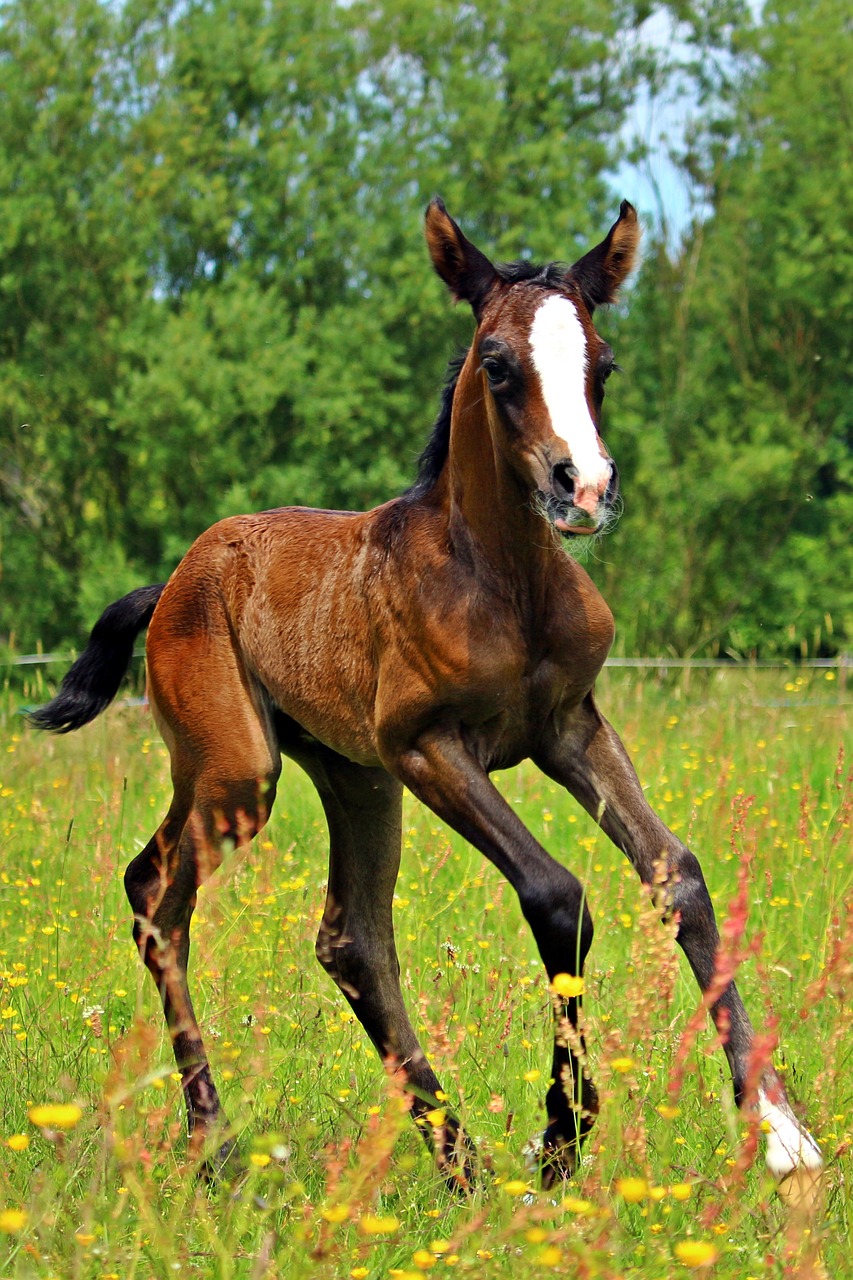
599 273
466 271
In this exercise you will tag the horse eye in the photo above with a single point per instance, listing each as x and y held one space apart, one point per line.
495 369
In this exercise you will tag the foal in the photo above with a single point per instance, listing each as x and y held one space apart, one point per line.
423 644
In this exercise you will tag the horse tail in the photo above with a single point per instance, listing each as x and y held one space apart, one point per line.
93 681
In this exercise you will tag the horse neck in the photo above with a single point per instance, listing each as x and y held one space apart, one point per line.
488 510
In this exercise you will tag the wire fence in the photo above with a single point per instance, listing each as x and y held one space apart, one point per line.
841 662
660 668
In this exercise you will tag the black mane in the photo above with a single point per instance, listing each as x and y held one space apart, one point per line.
553 275
434 455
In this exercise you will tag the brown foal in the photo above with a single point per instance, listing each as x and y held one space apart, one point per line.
423 644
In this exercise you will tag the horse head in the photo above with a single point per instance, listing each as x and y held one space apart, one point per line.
541 364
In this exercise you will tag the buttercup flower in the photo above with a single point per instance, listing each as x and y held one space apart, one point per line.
632 1190
56 1115
373 1225
696 1253
567 986
13 1220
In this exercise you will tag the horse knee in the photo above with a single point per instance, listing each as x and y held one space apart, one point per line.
687 893
137 879
556 909
362 967
688 901
342 957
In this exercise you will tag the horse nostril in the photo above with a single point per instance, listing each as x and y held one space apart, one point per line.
563 480
612 484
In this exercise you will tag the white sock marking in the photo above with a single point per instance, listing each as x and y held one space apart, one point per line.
788 1145
558 347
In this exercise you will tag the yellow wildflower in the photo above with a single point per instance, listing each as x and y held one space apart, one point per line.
374 1225
336 1213
56 1115
632 1190
567 986
13 1220
573 1205
696 1253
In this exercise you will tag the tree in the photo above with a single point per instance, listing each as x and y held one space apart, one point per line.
215 293
737 426
73 284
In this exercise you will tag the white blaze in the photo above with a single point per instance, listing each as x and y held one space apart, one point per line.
788 1145
558 347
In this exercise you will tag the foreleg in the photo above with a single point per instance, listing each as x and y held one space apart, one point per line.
441 771
589 759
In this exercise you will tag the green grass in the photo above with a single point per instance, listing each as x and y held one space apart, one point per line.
746 766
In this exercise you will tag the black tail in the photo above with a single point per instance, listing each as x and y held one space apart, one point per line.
93 681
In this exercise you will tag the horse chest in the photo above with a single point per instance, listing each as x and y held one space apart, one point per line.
503 726
552 652
501 679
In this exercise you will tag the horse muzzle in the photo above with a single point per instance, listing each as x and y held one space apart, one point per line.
576 505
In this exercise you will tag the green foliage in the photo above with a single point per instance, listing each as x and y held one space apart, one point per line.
214 294
72 289
214 289
738 418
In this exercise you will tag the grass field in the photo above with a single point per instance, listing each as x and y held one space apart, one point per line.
748 767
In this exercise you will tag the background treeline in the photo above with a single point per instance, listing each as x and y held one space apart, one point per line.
214 294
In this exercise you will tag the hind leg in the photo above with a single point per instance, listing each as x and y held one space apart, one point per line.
356 939
161 885
225 764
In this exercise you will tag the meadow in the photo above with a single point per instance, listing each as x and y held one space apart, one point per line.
748 766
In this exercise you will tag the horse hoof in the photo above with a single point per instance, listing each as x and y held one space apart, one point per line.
801 1191
215 1164
457 1165
558 1158
454 1153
